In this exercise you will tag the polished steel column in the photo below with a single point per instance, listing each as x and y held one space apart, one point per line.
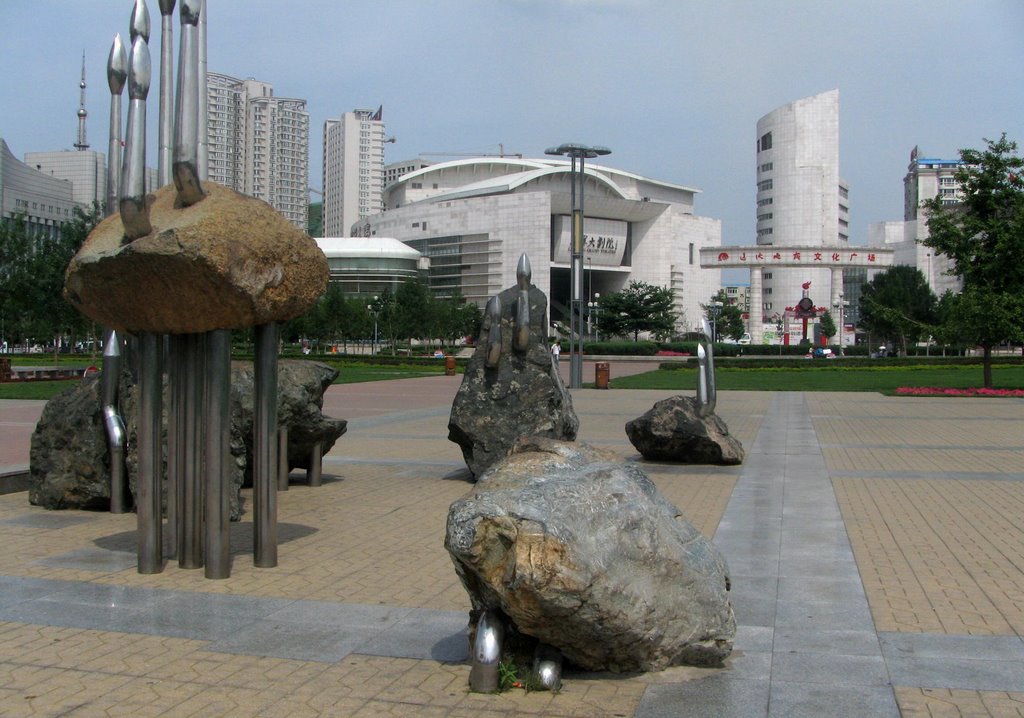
186 126
166 126
150 539
282 458
218 454
112 422
133 207
117 73
177 356
190 510
314 475
265 446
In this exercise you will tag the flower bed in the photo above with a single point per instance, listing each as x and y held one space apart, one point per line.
936 391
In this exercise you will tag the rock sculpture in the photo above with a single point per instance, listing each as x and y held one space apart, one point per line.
686 429
511 388
69 468
579 551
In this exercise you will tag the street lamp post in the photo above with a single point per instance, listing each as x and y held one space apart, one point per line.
576 152
715 310
594 310
374 310
839 307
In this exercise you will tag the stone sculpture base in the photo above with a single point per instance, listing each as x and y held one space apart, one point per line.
674 430
69 464
580 552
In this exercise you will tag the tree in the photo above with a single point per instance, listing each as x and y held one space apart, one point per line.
640 307
727 319
983 237
898 305
828 325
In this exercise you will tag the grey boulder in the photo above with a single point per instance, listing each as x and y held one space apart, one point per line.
674 430
582 553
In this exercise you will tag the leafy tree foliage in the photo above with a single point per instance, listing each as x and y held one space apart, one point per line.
32 280
983 236
828 325
898 305
727 318
640 307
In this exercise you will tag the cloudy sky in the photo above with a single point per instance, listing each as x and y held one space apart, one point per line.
673 87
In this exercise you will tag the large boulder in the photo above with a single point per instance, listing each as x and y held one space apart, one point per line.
227 262
674 430
523 396
69 463
69 466
581 552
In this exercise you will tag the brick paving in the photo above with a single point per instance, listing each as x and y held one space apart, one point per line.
363 615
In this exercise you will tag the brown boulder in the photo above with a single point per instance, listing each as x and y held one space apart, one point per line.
227 262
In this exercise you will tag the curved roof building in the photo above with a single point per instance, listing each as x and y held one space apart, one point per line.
473 218
369 265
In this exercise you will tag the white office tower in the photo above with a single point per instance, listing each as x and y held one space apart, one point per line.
259 144
353 170
801 200
926 178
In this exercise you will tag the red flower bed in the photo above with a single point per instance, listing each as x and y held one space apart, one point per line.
935 391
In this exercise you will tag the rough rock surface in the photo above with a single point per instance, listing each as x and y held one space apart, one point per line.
523 396
581 552
69 466
672 430
227 262
68 463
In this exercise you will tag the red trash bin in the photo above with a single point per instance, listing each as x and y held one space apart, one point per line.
602 370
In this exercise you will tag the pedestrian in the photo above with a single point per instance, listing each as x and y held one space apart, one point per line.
556 349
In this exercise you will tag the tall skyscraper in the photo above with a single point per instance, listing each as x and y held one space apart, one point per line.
801 200
353 169
258 144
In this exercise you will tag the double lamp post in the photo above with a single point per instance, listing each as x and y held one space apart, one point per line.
576 307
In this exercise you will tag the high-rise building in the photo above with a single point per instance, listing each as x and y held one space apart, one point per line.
86 170
801 199
393 171
258 144
43 200
353 170
926 178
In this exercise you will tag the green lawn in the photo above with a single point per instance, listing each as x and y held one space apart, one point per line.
828 378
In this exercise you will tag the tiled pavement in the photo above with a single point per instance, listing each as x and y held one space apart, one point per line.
876 546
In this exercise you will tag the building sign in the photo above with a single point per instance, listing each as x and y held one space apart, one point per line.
768 256
604 240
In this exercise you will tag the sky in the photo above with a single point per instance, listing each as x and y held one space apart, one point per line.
673 87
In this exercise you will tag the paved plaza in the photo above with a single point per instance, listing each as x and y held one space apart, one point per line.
876 546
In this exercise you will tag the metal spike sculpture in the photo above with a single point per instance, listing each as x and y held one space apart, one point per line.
707 394
164 149
186 127
521 335
493 313
484 676
199 364
134 209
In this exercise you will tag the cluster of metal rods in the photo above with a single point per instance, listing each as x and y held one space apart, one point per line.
707 394
198 365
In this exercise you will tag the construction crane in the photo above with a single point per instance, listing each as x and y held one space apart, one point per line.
501 153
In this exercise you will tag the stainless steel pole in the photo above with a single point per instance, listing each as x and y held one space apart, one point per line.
166 129
177 358
218 465
265 444
109 383
190 554
576 278
282 458
150 539
314 475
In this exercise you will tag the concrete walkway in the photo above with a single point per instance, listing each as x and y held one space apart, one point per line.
876 546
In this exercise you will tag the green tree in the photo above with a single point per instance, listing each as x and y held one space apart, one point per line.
727 317
828 325
459 319
983 237
640 307
898 305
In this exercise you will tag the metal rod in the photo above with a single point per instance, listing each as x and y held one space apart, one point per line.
150 540
185 166
117 74
166 127
493 312
314 475
265 444
283 469
218 444
490 635
177 356
133 207
190 553
110 379
521 335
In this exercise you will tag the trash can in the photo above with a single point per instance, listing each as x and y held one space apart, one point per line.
449 366
601 372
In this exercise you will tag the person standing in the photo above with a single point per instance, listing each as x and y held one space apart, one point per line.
556 350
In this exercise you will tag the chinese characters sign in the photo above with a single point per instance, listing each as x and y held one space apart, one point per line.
769 255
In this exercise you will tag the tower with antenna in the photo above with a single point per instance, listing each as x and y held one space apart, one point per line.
83 113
